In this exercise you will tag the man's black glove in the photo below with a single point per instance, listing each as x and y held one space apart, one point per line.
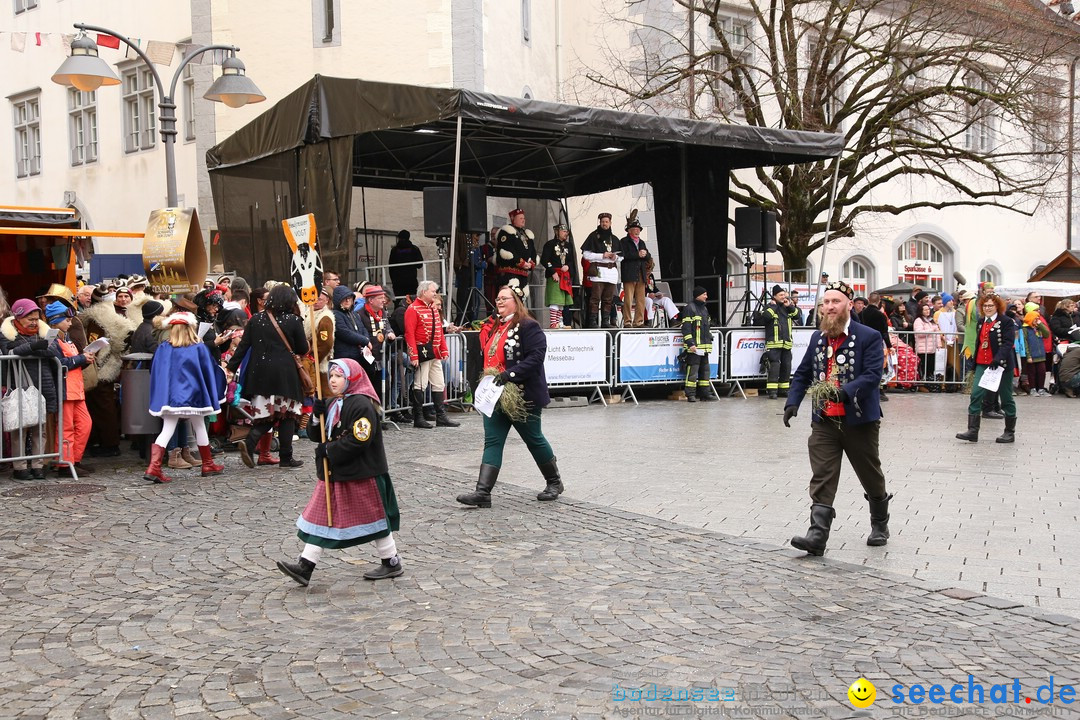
842 396
502 378
320 454
789 412
318 406
38 344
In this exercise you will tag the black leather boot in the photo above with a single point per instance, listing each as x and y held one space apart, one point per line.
879 521
441 418
592 320
481 497
247 445
821 517
300 571
991 409
972 433
388 568
550 471
418 410
1010 431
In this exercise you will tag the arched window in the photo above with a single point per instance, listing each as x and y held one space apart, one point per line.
856 273
990 274
920 261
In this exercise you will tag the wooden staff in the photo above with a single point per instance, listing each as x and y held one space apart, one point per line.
322 423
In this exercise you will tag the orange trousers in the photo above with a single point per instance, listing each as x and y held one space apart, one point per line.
77 424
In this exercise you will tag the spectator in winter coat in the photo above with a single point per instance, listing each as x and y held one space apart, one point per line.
23 334
350 338
1065 322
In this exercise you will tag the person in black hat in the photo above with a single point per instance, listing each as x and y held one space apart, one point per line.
841 371
779 319
601 250
144 339
406 259
697 344
515 254
555 258
637 263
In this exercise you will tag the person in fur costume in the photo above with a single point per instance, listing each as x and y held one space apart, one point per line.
363 502
102 320
185 383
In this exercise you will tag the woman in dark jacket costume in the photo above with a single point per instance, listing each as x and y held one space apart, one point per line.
23 334
363 502
514 347
271 382
350 338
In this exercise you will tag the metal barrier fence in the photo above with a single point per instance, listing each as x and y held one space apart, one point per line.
655 354
580 359
398 375
31 435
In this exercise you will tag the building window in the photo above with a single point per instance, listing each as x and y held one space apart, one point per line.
27 118
919 261
736 32
990 274
1046 121
82 126
526 21
979 133
24 5
140 110
831 91
189 102
856 273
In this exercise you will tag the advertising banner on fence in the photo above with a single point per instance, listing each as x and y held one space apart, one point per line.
576 358
745 347
654 357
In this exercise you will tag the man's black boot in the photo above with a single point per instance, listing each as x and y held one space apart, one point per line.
441 418
821 517
1010 431
879 521
300 571
481 497
972 434
388 568
418 410
550 471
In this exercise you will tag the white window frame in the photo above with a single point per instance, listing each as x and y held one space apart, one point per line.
989 273
189 102
82 126
1045 121
738 31
979 134
927 251
22 6
849 273
526 22
26 117
139 109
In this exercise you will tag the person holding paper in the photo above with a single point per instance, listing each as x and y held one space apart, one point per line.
994 338
513 347
77 423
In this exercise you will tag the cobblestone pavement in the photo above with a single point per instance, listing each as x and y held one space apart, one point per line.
144 601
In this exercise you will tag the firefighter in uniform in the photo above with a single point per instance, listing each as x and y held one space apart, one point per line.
697 344
779 318
515 254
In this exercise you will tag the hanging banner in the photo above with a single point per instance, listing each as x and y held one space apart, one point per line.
653 357
745 348
174 257
307 271
576 358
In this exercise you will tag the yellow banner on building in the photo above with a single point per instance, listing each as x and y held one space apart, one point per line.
173 252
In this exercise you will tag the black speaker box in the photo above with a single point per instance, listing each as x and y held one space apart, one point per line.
437 202
472 209
768 232
747 228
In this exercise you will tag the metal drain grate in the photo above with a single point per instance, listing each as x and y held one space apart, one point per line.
53 490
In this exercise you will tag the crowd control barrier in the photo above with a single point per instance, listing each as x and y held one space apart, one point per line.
648 357
579 359
32 436
398 376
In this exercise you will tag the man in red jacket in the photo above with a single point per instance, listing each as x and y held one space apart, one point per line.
427 348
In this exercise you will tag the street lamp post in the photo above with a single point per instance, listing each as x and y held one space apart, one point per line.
85 70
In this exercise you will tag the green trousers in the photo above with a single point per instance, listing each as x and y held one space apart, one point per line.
1004 393
497 427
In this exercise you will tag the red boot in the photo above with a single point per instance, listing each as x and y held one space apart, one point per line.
263 446
208 466
154 472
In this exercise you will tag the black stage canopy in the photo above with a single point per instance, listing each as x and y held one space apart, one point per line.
307 152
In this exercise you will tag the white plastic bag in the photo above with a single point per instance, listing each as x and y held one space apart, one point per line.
24 405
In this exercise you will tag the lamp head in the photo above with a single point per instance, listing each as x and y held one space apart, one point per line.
83 69
234 88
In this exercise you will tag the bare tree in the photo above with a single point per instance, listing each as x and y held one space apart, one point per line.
968 96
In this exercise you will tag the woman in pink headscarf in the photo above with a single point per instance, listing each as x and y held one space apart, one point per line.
362 500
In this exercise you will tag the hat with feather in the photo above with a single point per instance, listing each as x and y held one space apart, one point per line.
632 220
